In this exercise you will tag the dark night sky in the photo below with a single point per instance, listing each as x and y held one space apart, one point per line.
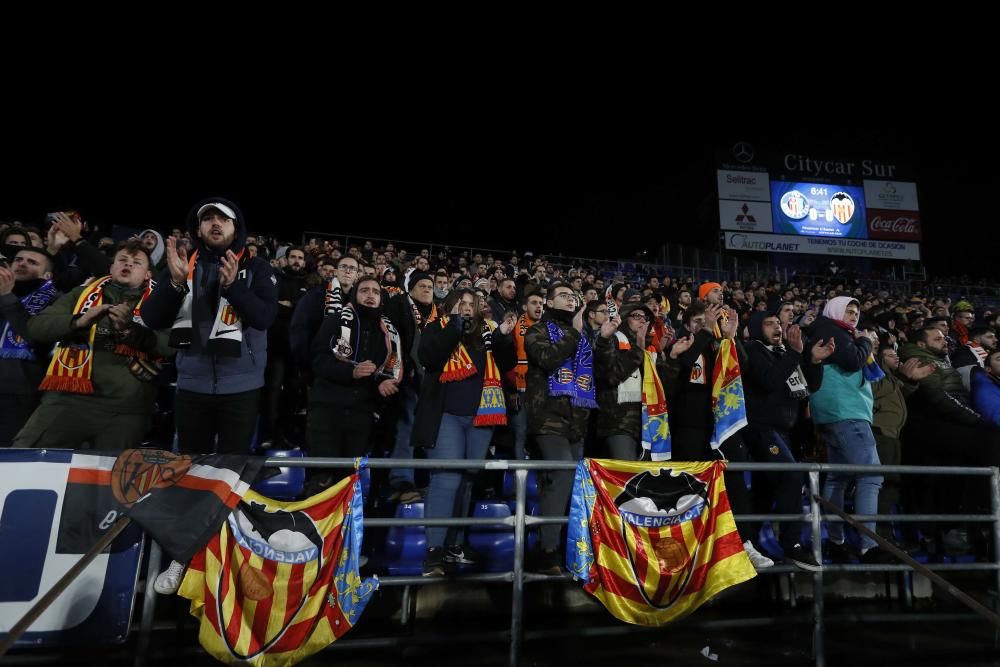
595 187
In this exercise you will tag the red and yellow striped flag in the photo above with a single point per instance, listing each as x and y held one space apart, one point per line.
653 541
280 580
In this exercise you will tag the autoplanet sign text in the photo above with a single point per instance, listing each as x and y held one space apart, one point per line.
822 246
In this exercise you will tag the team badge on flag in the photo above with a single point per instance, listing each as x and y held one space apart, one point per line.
653 541
280 580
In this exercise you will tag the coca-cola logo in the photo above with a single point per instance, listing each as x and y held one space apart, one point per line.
899 225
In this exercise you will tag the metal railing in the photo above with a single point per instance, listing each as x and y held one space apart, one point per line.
520 522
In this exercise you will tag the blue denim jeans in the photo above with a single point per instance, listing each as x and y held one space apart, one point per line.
450 491
853 442
403 448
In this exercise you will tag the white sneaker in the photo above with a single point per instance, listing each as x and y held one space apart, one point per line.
169 580
759 560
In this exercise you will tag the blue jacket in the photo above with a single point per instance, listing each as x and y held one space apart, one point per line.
255 298
986 396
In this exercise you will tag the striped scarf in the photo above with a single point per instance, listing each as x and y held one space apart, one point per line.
728 401
521 370
346 349
492 406
644 386
72 364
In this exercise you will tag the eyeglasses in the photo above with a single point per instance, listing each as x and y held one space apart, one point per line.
638 317
569 296
347 268
602 310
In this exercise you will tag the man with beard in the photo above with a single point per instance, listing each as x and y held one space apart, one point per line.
683 303
25 290
531 304
504 299
982 340
99 385
942 428
350 381
779 378
221 303
282 386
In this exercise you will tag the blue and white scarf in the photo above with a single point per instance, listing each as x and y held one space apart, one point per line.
13 346
575 378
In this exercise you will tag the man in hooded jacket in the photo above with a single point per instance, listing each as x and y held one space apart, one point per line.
219 303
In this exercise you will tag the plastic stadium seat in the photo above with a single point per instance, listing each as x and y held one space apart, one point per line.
494 543
531 487
406 546
288 484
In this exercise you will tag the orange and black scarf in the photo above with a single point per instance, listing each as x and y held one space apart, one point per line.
521 370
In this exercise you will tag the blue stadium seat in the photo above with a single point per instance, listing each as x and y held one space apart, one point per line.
288 483
532 485
406 546
494 543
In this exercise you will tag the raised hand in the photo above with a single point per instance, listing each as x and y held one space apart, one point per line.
681 345
912 370
712 313
610 326
640 334
177 261
7 281
508 324
821 351
229 266
70 228
795 338
730 324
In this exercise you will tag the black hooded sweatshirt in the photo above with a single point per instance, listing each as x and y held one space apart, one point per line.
770 404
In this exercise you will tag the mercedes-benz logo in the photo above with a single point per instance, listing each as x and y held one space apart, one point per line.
743 151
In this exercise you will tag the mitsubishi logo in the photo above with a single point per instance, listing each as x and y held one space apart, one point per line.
745 215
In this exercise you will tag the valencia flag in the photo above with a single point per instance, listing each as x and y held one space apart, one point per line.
280 580
653 541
